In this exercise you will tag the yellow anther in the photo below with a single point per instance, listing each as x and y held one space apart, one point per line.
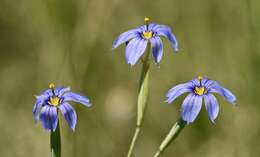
146 20
200 77
199 90
55 101
147 35
52 86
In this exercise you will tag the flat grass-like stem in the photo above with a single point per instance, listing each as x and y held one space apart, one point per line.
174 132
142 99
55 142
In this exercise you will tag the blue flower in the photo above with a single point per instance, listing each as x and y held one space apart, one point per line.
47 105
138 38
199 88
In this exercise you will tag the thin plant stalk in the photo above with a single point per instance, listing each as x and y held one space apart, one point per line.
172 135
55 142
142 99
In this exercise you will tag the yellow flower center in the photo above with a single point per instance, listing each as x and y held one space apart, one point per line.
200 90
147 35
55 101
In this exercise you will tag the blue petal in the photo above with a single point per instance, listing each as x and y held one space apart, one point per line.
223 92
124 37
157 48
141 29
212 106
47 92
49 118
167 33
204 80
36 109
195 82
151 26
191 107
135 49
59 91
208 83
178 90
40 101
71 96
69 114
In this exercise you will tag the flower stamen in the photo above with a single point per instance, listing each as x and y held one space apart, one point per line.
147 34
200 90
146 21
54 101
52 86
200 77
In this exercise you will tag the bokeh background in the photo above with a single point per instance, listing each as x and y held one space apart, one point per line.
69 43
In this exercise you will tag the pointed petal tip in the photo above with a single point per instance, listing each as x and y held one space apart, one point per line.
187 121
167 101
131 64
213 122
88 105
36 120
234 103
157 63
73 128
48 130
113 47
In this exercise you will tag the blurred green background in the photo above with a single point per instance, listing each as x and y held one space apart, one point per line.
70 43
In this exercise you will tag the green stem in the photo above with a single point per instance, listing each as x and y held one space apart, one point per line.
142 100
137 130
56 142
174 132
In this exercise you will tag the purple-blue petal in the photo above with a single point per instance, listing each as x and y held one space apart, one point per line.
151 26
208 83
157 48
69 113
49 118
71 96
47 92
212 106
204 80
40 101
191 107
178 90
135 49
36 109
167 33
59 91
230 97
124 37
195 82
